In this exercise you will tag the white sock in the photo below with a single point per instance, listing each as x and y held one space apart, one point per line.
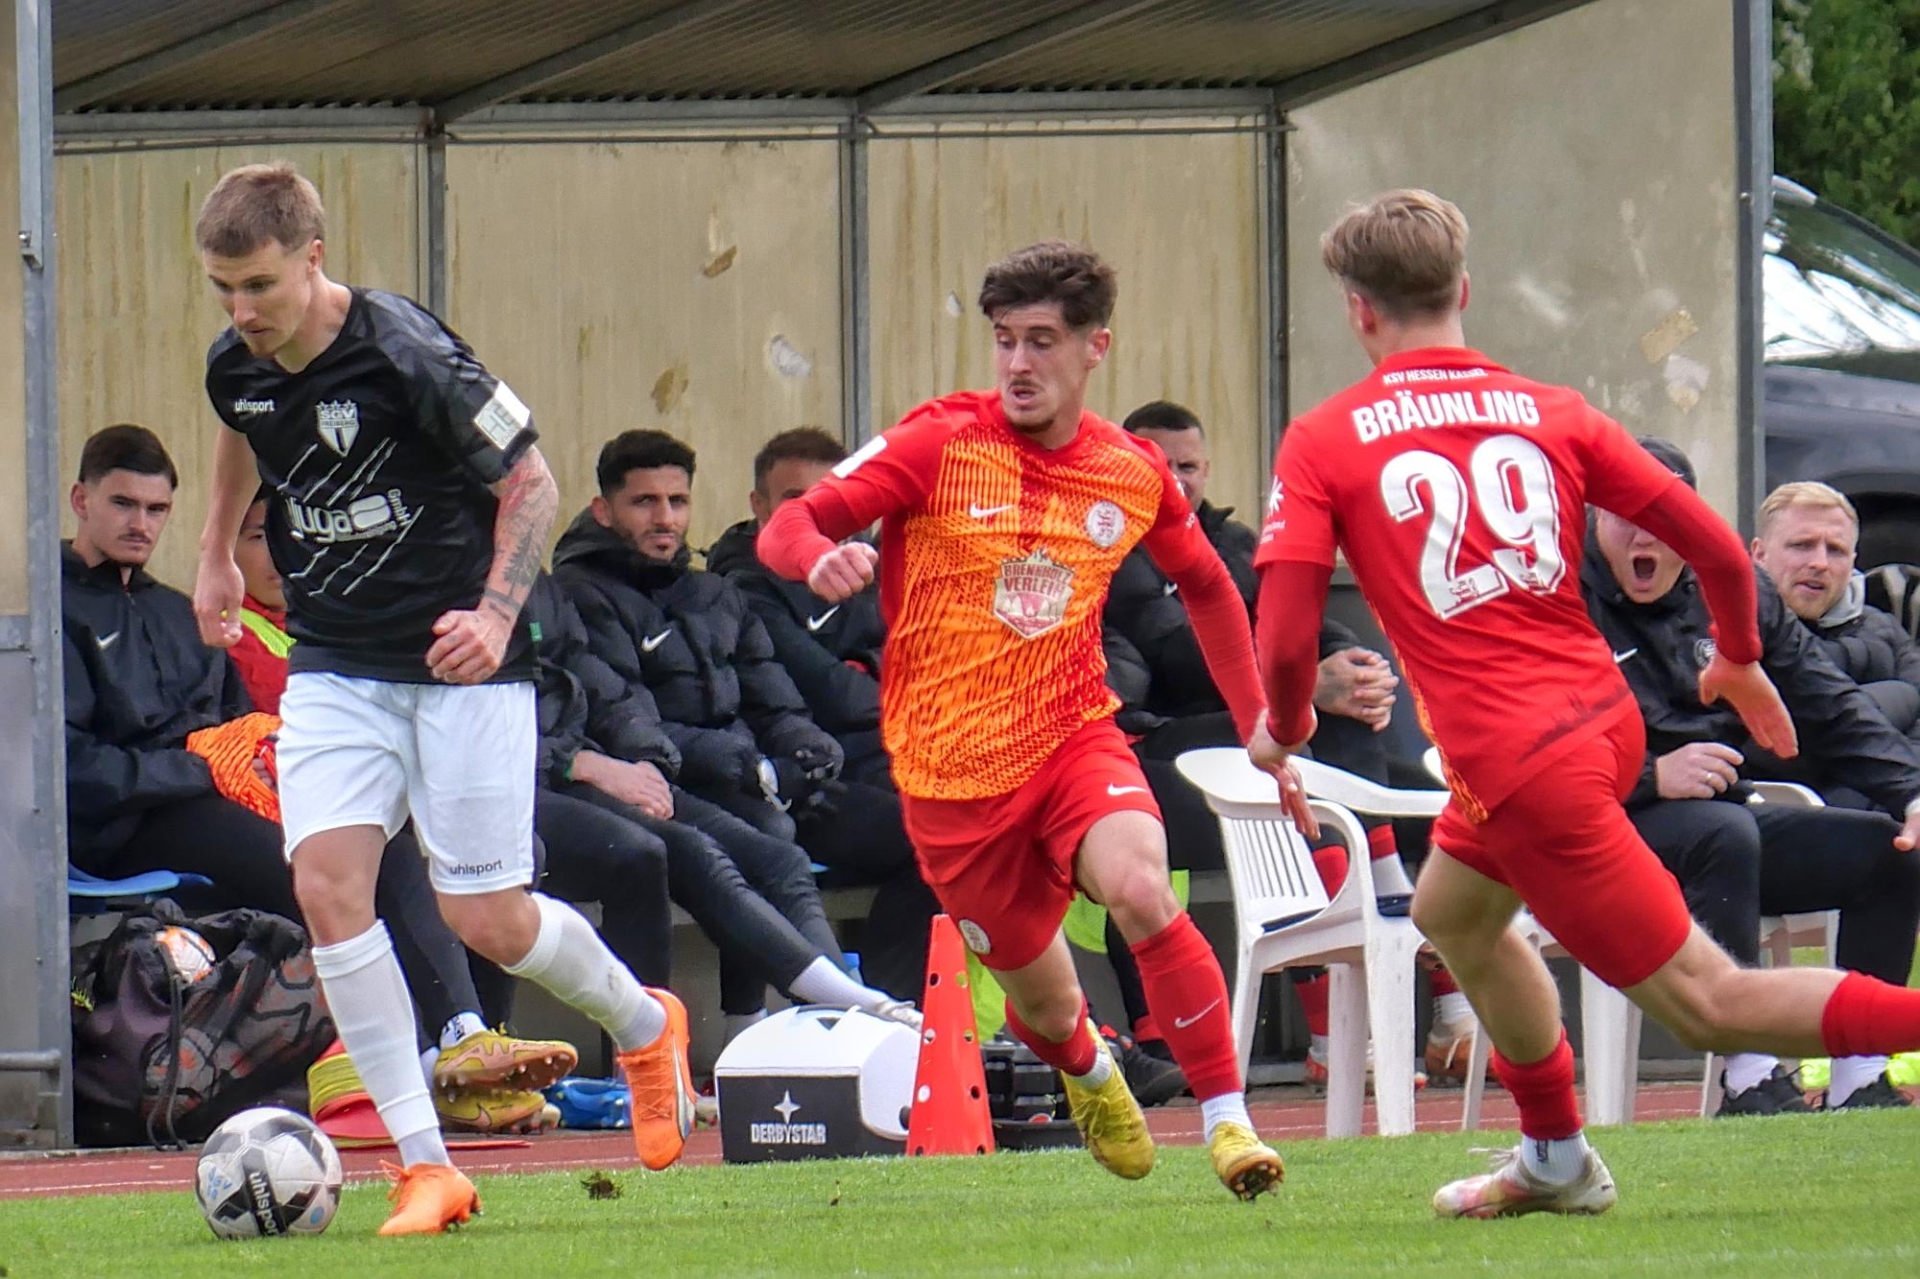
822 983
1390 876
459 1026
1744 1070
1453 1010
1850 1073
570 961
1555 1162
734 1023
1102 1069
429 1058
373 1015
1317 1047
1228 1107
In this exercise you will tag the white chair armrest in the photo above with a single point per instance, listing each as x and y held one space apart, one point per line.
1791 794
1369 798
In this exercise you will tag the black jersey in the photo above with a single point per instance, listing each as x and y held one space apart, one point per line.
381 452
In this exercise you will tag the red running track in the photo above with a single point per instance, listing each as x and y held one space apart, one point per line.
1285 1114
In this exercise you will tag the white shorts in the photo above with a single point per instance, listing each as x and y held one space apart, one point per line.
460 759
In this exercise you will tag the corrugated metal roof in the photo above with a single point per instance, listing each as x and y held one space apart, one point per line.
123 55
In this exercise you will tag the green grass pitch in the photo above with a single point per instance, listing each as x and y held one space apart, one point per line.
1799 1195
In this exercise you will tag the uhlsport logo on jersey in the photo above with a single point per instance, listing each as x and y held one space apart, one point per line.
371 516
1031 593
339 424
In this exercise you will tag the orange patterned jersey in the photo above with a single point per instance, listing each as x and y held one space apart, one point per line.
995 556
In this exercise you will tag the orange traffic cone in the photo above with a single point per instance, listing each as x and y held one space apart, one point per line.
949 1115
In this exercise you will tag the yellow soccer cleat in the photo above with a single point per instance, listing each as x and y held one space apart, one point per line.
494 1059
1245 1165
1511 1191
427 1198
1111 1121
492 1110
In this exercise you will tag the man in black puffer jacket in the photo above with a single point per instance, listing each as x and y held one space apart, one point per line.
832 651
620 833
1734 861
745 739
1808 535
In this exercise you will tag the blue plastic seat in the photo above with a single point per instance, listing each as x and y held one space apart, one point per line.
92 895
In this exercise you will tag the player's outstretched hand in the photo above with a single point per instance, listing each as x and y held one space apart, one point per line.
1272 758
471 645
843 572
218 590
1748 690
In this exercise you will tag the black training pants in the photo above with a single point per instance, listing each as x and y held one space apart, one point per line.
1737 862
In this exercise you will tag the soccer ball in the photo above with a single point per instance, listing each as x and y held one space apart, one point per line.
187 952
268 1171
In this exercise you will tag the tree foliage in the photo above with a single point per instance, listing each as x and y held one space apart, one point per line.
1846 105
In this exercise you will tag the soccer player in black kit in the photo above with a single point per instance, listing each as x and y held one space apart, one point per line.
411 515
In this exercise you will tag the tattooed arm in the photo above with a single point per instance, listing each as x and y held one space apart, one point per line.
472 643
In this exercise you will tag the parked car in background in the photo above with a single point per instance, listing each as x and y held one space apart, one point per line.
1842 402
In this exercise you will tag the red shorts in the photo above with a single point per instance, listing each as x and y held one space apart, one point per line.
1003 866
1564 844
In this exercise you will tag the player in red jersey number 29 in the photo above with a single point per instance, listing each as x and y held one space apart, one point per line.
1459 492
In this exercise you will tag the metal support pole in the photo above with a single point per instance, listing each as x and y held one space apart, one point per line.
1273 155
434 210
1753 180
45 827
856 293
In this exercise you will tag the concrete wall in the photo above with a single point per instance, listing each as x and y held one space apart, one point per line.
136 314
1593 154
691 286
1179 216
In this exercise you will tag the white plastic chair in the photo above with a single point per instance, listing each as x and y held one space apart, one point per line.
1283 919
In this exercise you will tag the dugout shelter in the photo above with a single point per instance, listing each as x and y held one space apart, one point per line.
728 217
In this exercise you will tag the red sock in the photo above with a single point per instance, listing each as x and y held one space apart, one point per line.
1074 1057
1313 1002
1381 843
1183 980
1145 1028
1442 982
1331 862
1543 1090
1866 1017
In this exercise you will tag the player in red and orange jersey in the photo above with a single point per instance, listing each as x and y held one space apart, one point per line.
1004 514
1458 491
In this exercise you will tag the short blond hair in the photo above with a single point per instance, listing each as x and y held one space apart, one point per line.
258 203
1808 493
1404 251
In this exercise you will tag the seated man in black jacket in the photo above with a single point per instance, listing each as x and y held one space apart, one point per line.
1806 543
745 739
1169 701
831 651
139 682
1736 862
607 809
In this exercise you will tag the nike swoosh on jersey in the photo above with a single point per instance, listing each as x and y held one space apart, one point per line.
1181 1023
106 641
1621 657
815 623
1169 588
652 642
1125 790
980 512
